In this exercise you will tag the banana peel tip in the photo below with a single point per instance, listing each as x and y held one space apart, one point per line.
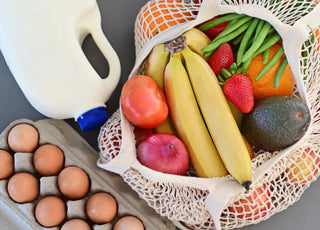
246 185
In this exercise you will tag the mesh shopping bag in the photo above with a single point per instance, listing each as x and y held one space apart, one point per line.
220 202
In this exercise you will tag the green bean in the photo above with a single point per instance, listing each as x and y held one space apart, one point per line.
229 29
209 49
313 35
238 40
307 46
258 30
246 38
279 72
246 64
225 18
266 56
257 43
230 25
271 63
270 41
271 30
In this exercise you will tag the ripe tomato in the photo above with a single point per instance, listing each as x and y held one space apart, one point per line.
143 102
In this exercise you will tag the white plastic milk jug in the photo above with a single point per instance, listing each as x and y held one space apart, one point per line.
41 43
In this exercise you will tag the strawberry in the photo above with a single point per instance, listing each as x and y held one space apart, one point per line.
237 88
222 58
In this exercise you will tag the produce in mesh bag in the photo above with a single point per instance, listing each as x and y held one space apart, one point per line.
199 199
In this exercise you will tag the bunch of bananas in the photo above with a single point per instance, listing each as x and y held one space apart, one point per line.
199 112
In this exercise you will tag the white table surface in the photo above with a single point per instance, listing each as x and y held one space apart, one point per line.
118 17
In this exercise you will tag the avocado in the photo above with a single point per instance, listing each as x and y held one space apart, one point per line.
276 122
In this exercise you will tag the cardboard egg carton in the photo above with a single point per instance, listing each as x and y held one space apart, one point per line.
77 152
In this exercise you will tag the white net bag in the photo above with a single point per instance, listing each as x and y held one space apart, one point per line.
279 178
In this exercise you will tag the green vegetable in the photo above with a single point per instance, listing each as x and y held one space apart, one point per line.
209 49
271 63
238 40
245 40
257 43
232 26
246 64
269 41
279 72
266 56
259 27
225 18
307 46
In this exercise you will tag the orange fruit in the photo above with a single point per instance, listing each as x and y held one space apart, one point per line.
159 15
317 38
264 86
304 168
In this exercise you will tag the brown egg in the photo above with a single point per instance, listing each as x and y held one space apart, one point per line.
75 224
73 182
23 138
6 164
50 211
48 160
101 208
128 222
23 187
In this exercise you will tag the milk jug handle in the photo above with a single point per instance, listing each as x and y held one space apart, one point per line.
108 52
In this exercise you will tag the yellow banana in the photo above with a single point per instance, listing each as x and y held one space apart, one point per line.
154 68
218 117
156 63
196 40
188 121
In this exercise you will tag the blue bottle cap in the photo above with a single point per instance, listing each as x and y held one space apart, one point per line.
93 118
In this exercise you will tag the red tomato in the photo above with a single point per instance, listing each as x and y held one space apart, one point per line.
216 30
143 102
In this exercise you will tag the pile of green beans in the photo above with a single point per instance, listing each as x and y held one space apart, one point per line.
252 36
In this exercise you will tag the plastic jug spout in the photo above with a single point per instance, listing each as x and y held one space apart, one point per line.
93 118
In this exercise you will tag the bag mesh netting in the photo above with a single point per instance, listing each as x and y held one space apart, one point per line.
279 178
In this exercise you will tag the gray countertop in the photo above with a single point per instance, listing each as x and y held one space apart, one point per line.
118 19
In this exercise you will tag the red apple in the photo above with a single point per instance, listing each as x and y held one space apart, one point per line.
165 153
254 206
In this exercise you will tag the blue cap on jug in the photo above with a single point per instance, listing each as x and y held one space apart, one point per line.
93 118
